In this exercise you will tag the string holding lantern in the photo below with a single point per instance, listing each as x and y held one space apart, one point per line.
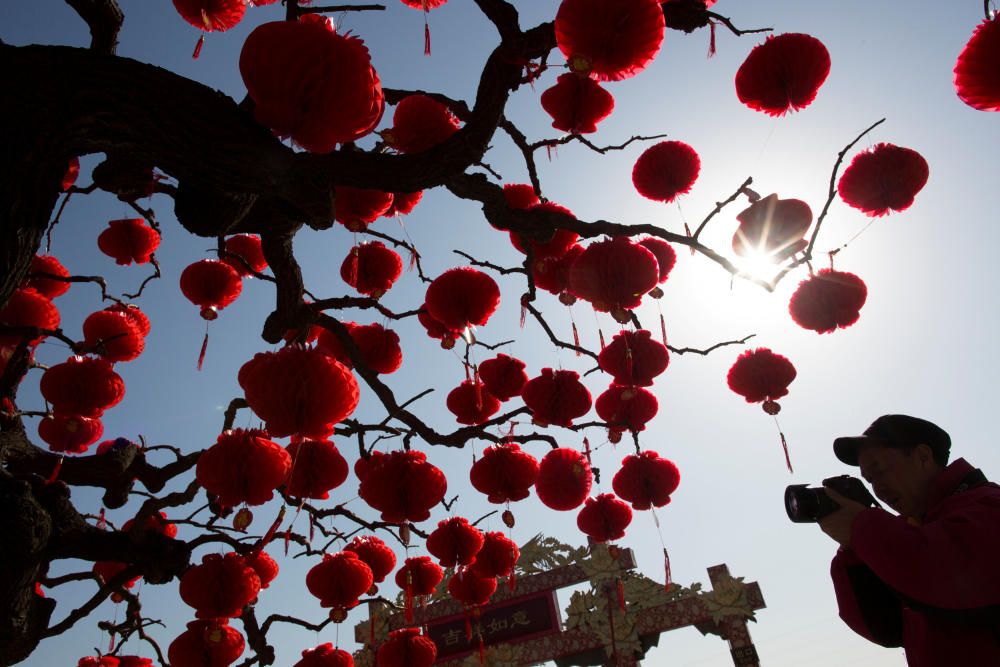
27 307
626 407
505 473
783 74
317 468
503 376
666 170
48 287
462 297
762 376
604 518
243 466
455 542
371 268
577 103
634 358
828 300
210 16
207 643
325 655
609 40
420 123
129 240
113 335
245 254
70 434
557 242
564 479
883 178
339 580
613 275
373 551
418 577
556 397
772 227
220 586
646 480
976 82
407 647
84 386
403 486
356 208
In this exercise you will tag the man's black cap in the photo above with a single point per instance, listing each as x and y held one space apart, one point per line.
896 431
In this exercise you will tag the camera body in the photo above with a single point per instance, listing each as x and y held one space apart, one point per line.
805 504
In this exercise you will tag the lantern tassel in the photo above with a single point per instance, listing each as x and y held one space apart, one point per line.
102 522
55 475
711 39
667 582
197 47
512 582
600 334
524 309
687 232
204 349
427 37
784 447
482 650
576 338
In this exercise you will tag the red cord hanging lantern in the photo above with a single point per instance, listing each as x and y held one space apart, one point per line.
604 518
403 203
520 196
609 39
419 123
298 391
49 287
646 480
71 434
503 376
472 403
773 228
626 407
577 104
374 552
504 473
556 397
436 329
206 643
211 285
243 466
883 178
310 83
317 468
371 268
455 542
497 557
129 240
220 587
666 170
245 254
113 335
27 308
403 487
462 297
559 242
564 479
134 314
665 255
552 273
406 647
265 567
614 275
976 80
325 655
72 172
84 386
783 74
761 375
634 358
470 588
338 581
828 300
356 208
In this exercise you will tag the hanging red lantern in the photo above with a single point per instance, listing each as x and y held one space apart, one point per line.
626 407
49 287
134 661
106 570
84 386
328 343
158 523
470 588
243 466
403 203
455 542
462 297
403 487
976 80
556 397
472 403
564 479
365 464
423 4
374 552
634 358
317 468
609 39
406 647
298 391
71 434
27 308
436 329
552 273
665 255
773 228
338 581
577 104
113 335
520 196
504 473
503 376
310 83
666 170
379 347
206 643
129 240
356 208
883 178
245 254
604 518
497 557
782 74
72 172
419 123
220 587
210 284
419 576
371 268
828 300
761 375
211 15
646 480
687 15
98 661
325 655
265 567
559 242
134 314
614 275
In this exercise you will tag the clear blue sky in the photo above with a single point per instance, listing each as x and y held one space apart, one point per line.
925 343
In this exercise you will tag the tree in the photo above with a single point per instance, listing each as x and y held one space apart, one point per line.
227 174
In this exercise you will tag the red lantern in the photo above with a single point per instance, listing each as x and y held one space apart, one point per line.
614 275
379 347
220 587
520 196
328 343
325 655
406 647
504 473
497 557
772 227
626 407
374 552
134 314
127 241
106 570
761 375
211 15
976 80
419 123
158 523
503 376
83 386
210 284
609 39
70 433
365 464
564 479
455 542
371 268
310 83
828 300
646 480
470 588
49 287
604 518
245 254
436 329
338 581
403 487
424 4
265 567
883 178
665 255
634 358
134 661
403 203
243 466
359 207
556 397
666 170
72 172
784 73
557 245
462 297
207 643
98 661
317 468
113 335
472 403
687 15
298 391
27 308
419 576
577 104
552 273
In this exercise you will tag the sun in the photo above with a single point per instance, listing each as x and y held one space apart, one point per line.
758 264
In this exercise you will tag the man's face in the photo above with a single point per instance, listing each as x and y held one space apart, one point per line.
900 480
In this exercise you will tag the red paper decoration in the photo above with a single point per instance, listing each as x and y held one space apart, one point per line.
520 196
325 655
371 268
552 273
338 581
455 542
113 335
646 480
317 468
687 15
243 466
772 227
666 170
155 522
828 300
472 403
609 39
406 647
134 314
365 464
220 587
437 330
470 588
265 567
403 203
626 407
665 255
462 297
782 74
83 386
245 254
310 83
423 4
403 486
379 347
497 557
419 123
210 284
27 308
129 240
761 375
504 473
419 576
102 661
614 275
211 15
634 358
604 518
356 208
564 479
106 570
556 397
72 172
577 104
883 178
374 552
71 434
207 643
559 242
503 376
49 287
976 79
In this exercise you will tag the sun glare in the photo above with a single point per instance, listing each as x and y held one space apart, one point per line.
758 264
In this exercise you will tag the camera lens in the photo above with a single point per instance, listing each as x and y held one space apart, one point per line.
801 503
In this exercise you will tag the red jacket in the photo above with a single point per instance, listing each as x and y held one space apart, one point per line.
902 584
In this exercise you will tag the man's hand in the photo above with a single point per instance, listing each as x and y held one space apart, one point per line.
838 524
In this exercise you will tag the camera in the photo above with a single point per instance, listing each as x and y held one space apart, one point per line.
808 505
